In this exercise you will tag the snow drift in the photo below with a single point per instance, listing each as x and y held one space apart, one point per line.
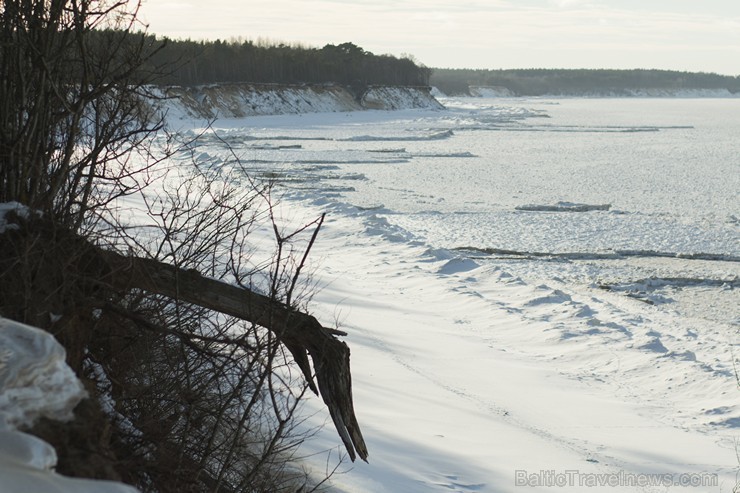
241 100
36 382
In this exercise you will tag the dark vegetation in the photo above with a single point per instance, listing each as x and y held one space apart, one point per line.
537 82
210 62
189 393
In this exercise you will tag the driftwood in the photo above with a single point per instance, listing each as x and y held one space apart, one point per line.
301 333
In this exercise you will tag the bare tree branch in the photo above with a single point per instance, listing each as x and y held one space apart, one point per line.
301 333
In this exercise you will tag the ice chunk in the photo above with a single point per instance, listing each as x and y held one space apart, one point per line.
564 207
35 381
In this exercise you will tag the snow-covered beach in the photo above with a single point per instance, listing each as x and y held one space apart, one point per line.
539 295
535 291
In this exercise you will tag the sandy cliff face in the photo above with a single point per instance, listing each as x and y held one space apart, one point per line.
240 100
399 98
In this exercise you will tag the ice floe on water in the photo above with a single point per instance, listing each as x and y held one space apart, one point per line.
463 154
564 207
444 134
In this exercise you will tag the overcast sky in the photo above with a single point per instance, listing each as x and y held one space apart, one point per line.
692 35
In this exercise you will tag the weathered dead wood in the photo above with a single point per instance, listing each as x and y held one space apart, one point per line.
302 334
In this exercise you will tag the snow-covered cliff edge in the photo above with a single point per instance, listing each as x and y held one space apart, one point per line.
240 100
490 92
399 98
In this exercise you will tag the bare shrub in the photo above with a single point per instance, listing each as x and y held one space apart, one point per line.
184 398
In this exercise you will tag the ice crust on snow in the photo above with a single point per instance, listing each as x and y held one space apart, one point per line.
36 382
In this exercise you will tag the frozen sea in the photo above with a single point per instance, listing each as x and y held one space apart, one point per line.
634 195
528 284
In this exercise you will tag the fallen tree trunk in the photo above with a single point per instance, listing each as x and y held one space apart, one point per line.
302 334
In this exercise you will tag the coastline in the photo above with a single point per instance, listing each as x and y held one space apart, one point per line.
245 100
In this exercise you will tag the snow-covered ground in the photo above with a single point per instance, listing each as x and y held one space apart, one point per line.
465 374
536 300
534 303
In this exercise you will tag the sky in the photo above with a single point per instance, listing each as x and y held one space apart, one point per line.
687 35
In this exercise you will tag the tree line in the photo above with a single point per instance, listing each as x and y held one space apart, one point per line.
538 82
209 62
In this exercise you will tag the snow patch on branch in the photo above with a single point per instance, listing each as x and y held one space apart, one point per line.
19 209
